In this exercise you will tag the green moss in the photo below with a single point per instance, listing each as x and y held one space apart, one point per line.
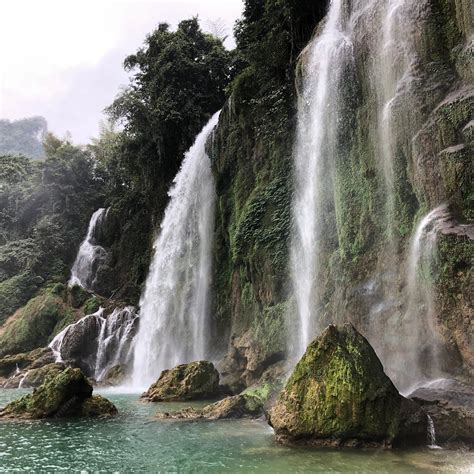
32 325
15 292
338 390
52 396
92 305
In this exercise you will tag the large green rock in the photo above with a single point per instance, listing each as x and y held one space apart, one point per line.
68 393
194 381
339 394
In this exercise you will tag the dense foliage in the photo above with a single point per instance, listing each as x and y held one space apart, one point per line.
179 80
270 37
44 211
23 137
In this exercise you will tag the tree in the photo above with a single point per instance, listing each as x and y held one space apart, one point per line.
179 81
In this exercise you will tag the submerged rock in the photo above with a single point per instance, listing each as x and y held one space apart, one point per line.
248 404
339 395
194 381
68 393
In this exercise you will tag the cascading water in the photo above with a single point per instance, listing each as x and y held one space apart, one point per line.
361 67
96 342
174 306
418 357
90 255
431 434
318 116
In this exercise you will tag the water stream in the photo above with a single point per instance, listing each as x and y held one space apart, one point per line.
90 255
174 315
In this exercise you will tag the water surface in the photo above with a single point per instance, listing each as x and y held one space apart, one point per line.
135 442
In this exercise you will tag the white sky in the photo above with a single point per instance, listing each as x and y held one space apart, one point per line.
62 59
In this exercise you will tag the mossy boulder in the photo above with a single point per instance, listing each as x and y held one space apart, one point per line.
236 406
32 326
61 395
36 377
194 381
97 407
339 394
248 404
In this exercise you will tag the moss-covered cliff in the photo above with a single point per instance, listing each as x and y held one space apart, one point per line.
366 234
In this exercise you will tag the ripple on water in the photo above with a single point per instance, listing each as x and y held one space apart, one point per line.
134 441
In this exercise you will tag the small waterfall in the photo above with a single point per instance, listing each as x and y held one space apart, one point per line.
419 342
98 342
431 434
115 340
90 255
174 306
318 116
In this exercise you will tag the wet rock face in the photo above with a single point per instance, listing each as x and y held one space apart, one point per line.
67 393
451 407
194 381
339 394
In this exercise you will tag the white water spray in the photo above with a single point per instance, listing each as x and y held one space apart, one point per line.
110 340
418 357
174 306
328 55
90 255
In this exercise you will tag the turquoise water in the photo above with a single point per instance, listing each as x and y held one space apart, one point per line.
135 442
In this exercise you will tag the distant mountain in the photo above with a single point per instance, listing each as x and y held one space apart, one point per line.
23 137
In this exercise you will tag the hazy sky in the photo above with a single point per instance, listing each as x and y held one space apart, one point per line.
63 58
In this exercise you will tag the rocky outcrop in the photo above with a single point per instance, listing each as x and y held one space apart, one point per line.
25 360
248 404
450 404
194 381
28 369
98 342
339 395
68 393
36 377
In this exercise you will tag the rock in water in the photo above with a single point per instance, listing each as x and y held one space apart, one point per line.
339 395
194 381
68 393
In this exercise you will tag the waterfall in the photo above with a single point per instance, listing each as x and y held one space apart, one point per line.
98 342
418 356
362 67
90 255
431 434
392 69
318 117
174 305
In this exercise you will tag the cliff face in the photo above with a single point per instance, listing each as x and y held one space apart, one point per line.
365 242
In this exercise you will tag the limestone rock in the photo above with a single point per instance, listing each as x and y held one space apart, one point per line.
451 407
339 394
194 381
60 395
250 403
97 407
36 377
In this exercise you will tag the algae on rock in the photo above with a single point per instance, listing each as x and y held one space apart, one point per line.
339 394
67 393
194 381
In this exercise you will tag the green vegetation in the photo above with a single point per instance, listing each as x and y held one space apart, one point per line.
45 207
